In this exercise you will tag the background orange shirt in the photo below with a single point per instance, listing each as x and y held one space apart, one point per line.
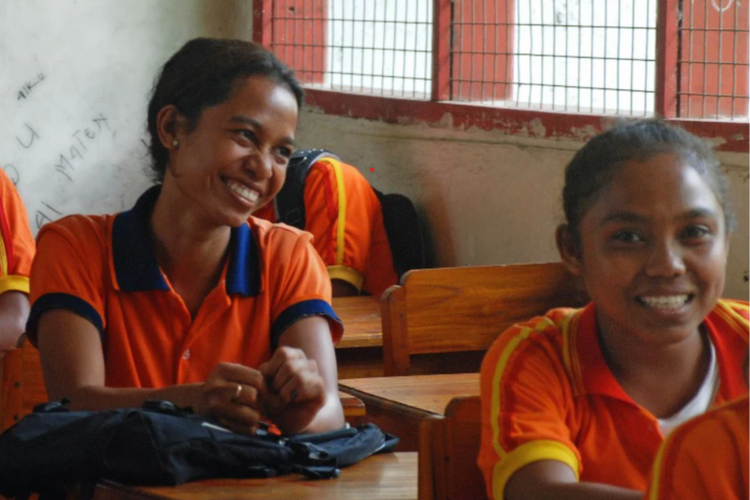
343 214
16 242
705 458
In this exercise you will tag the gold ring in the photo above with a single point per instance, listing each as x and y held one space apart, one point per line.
237 392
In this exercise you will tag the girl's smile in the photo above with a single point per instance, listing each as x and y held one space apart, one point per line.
653 248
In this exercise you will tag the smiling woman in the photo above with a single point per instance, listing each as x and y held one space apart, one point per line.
576 404
186 297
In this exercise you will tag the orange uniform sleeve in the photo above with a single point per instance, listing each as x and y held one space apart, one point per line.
525 400
17 246
705 458
299 282
343 214
69 271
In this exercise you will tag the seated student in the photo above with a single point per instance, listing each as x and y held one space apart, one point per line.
576 403
343 214
16 253
705 458
185 297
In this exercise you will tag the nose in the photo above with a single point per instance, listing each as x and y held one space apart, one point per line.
260 164
665 260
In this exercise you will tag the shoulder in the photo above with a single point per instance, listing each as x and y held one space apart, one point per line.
545 329
731 316
541 338
81 229
276 233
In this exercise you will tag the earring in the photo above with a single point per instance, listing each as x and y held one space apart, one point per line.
176 143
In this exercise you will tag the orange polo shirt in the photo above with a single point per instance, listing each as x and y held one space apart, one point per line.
705 458
16 242
343 214
548 394
103 268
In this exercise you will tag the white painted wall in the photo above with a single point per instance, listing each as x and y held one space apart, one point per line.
75 78
487 198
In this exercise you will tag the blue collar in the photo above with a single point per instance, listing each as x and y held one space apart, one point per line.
136 268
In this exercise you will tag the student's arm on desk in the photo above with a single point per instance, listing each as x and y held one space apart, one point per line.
550 479
14 311
302 380
73 365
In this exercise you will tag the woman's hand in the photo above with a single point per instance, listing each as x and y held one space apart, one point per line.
232 395
293 382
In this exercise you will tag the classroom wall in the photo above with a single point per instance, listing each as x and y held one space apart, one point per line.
75 78
487 198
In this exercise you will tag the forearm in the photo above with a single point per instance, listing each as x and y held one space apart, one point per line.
14 311
586 491
93 398
296 420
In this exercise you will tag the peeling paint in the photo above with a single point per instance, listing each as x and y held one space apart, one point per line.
537 128
717 141
737 137
584 133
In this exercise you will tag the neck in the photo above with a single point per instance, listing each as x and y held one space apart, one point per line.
190 250
660 378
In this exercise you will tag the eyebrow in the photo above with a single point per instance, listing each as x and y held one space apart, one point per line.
695 213
246 120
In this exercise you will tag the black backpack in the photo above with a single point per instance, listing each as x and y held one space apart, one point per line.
160 444
399 215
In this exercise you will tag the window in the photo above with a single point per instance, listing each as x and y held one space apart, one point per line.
582 59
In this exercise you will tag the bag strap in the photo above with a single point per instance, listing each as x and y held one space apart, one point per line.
290 202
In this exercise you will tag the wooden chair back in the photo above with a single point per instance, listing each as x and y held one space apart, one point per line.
21 384
448 450
465 308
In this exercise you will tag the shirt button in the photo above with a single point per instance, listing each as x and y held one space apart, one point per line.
186 355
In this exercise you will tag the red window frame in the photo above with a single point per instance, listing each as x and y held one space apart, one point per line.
729 136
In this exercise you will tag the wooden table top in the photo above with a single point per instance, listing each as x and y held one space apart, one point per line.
390 476
361 318
420 393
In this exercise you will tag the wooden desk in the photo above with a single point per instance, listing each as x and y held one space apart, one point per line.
361 318
398 404
360 351
391 476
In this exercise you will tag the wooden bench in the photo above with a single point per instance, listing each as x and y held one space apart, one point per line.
462 310
21 384
448 450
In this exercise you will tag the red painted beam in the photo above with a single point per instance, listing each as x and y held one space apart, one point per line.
730 136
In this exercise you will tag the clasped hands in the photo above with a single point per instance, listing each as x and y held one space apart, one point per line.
236 396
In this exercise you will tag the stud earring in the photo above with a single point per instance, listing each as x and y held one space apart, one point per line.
176 143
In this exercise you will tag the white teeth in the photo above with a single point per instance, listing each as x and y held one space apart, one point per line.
248 194
665 301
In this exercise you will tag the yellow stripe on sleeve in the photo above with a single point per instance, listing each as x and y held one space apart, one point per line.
341 227
3 258
502 362
347 274
528 453
14 283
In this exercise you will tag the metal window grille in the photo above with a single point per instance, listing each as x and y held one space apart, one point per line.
567 55
380 47
713 60
589 56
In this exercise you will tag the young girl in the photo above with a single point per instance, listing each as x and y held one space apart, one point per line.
181 298
576 403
